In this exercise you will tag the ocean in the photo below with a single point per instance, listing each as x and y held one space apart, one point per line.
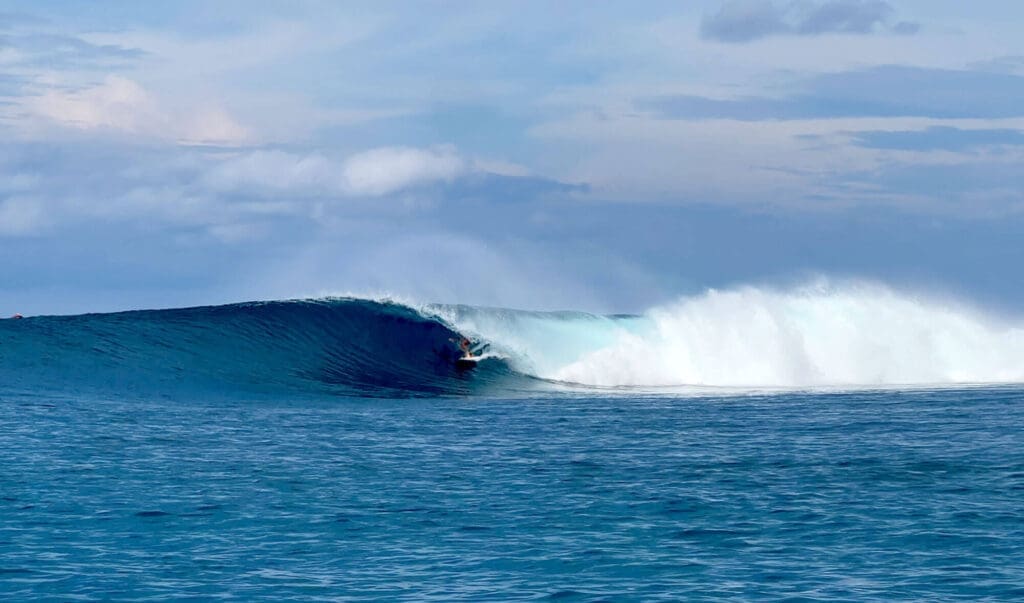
330 450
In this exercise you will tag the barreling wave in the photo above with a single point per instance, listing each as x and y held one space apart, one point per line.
342 346
821 335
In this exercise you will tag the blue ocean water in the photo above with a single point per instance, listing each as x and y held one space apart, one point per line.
331 451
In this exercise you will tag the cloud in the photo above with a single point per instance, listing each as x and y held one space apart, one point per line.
60 51
906 28
843 16
744 21
938 138
117 103
373 173
272 172
230 195
1003 64
378 172
122 105
748 20
966 188
386 170
884 91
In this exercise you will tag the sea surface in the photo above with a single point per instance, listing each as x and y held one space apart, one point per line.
264 452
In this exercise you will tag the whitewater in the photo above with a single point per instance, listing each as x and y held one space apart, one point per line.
814 335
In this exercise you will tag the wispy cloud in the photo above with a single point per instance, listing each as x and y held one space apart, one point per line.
939 138
58 51
885 91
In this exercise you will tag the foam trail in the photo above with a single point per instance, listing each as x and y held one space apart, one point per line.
860 335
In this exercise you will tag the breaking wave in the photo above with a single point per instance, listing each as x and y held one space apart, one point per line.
823 335
855 335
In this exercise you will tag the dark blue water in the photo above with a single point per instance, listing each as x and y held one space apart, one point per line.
861 496
332 450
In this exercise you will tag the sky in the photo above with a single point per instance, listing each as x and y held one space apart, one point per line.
572 155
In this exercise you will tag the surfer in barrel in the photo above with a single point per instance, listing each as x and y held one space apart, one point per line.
470 356
465 345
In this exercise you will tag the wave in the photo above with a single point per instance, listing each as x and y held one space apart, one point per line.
821 335
341 346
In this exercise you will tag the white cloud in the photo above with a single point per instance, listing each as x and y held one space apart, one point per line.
117 103
390 169
277 172
234 195
122 105
212 125
373 173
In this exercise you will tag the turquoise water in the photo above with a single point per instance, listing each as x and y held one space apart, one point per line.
872 496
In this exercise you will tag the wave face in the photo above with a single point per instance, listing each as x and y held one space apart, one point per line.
747 338
347 347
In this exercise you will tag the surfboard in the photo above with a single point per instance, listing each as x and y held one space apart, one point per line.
466 362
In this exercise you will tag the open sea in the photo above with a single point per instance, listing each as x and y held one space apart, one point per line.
331 451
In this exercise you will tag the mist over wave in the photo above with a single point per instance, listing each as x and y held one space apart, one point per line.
817 335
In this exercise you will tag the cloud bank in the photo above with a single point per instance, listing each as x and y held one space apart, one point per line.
260 152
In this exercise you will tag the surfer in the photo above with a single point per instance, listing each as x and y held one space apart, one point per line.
464 345
17 316
471 353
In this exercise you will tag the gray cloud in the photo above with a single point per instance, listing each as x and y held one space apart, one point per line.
64 51
976 186
844 16
1003 64
748 20
887 91
906 28
938 138
740 22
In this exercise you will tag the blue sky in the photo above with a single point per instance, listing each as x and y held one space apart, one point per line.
550 155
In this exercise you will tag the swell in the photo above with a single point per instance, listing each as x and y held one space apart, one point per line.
343 346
